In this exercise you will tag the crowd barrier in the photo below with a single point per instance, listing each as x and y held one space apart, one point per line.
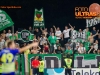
84 64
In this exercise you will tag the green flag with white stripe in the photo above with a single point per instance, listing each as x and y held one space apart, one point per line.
5 20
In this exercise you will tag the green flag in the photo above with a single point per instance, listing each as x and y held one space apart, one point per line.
38 19
5 20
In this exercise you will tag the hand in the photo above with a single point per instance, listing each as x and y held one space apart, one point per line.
98 30
54 26
97 33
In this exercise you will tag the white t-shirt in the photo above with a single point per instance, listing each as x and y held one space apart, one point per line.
73 34
80 35
96 46
81 49
58 33
1 45
66 33
8 35
84 34
3 40
42 40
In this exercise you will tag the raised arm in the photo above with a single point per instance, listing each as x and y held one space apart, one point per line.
95 34
54 28
38 48
71 25
34 44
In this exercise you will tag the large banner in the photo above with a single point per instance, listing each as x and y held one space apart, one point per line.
92 22
5 20
51 61
77 36
38 19
86 60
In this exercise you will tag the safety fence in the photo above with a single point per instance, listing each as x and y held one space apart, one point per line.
54 64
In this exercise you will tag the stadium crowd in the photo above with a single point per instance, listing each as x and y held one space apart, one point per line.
55 41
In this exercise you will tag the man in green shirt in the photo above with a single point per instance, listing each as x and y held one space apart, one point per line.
69 51
86 45
52 41
87 33
13 37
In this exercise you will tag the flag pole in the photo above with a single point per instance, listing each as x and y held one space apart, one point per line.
13 32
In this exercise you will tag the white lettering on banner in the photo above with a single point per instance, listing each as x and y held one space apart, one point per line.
85 71
25 34
36 24
92 22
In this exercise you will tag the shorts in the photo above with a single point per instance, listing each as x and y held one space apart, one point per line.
35 71
46 51
12 73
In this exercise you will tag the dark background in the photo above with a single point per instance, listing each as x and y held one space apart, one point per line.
56 12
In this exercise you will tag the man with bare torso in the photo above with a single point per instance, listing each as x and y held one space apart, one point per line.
91 37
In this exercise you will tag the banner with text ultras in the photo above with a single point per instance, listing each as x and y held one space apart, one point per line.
53 61
38 19
86 60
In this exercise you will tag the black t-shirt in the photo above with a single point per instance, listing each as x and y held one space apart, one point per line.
38 34
92 50
99 41
58 51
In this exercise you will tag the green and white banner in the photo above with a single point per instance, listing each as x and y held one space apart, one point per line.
86 60
53 61
5 20
25 36
38 19
92 22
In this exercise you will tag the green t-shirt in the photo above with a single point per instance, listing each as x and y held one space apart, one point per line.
87 34
12 37
52 40
69 51
86 45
